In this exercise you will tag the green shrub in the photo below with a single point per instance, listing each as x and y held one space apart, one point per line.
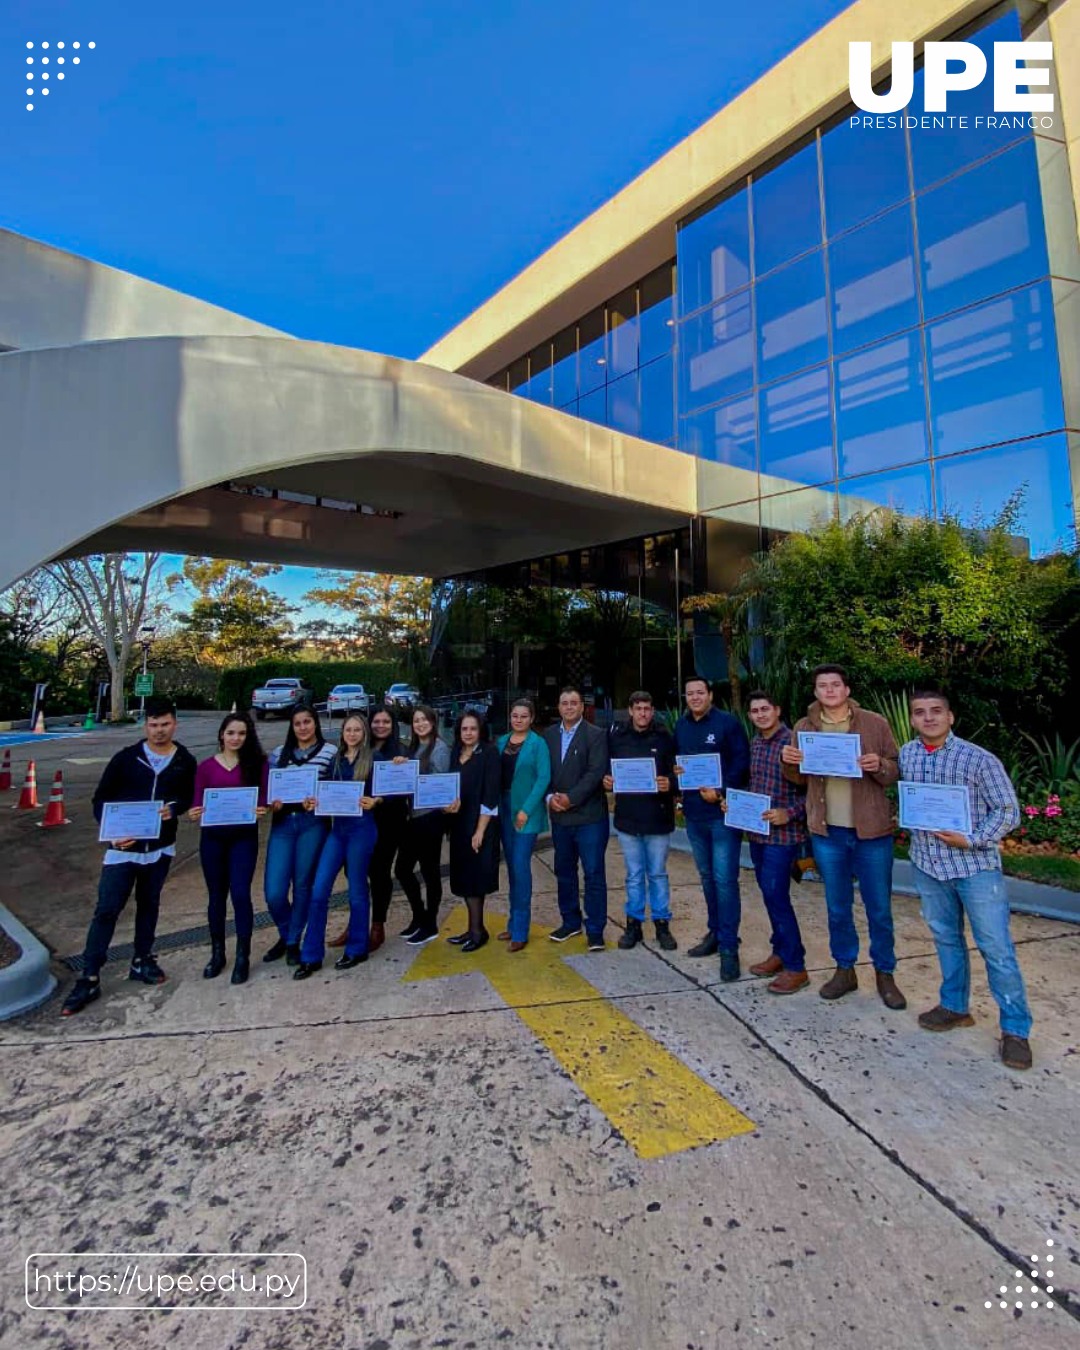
236 684
1053 818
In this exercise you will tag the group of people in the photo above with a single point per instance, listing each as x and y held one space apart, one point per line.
512 789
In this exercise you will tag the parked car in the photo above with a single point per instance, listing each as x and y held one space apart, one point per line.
346 698
401 698
280 696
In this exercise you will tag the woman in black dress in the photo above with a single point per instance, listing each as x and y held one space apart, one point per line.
474 834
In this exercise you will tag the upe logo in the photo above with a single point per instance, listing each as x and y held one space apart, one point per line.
952 67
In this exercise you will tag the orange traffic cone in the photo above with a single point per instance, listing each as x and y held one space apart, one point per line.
54 812
28 797
39 725
5 772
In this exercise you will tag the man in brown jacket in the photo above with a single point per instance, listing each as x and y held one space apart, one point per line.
851 833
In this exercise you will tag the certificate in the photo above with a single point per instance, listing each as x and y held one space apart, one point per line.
934 806
834 754
699 771
292 785
745 809
634 775
130 820
395 780
338 799
437 790
230 806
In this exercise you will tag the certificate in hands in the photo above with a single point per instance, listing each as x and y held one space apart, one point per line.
436 790
395 780
831 754
634 775
229 806
699 771
130 820
934 806
292 785
745 809
338 799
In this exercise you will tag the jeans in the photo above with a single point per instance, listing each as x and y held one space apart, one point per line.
982 899
584 843
421 845
228 854
350 841
837 855
716 856
772 867
292 855
114 890
518 848
645 856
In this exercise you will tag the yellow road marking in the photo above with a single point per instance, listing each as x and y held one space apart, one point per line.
651 1097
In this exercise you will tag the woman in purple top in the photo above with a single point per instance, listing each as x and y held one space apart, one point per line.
228 853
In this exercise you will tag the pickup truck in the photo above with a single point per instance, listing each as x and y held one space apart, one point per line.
279 696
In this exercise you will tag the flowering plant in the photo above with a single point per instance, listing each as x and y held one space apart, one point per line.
1053 818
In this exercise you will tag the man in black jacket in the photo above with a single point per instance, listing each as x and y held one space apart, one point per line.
156 769
645 821
579 818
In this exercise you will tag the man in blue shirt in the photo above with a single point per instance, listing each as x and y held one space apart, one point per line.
959 875
705 730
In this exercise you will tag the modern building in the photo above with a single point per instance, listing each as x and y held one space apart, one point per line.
791 316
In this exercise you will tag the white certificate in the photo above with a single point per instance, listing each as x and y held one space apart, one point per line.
934 806
634 775
745 809
395 780
130 820
338 799
294 784
699 771
230 806
833 754
436 790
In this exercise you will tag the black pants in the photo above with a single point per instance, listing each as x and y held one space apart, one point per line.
117 882
421 844
228 854
380 870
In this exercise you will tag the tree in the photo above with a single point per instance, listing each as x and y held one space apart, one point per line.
234 619
113 594
386 613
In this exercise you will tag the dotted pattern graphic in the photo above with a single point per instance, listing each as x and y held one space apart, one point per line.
1045 1274
42 90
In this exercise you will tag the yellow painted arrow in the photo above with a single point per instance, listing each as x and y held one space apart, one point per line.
657 1103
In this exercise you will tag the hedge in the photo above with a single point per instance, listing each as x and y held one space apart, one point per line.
236 684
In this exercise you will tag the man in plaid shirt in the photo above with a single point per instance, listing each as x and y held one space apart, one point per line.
775 850
960 875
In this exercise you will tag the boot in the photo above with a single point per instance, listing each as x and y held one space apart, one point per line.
729 965
664 937
377 937
843 981
216 964
890 994
242 964
632 936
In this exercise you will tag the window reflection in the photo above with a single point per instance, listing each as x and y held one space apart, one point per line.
787 210
593 407
716 352
539 385
658 400
564 368
796 431
872 276
726 435
791 318
907 492
976 487
592 352
863 172
624 404
881 406
657 308
994 373
623 334
714 253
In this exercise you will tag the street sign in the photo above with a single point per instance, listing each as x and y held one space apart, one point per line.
144 686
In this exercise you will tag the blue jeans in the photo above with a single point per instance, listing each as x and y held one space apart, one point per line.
351 841
117 882
837 856
772 867
292 855
518 848
228 854
982 899
716 855
584 843
645 856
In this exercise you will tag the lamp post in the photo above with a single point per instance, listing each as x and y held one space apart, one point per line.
146 638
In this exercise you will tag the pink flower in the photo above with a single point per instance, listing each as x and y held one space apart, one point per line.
1053 797
1031 810
1053 811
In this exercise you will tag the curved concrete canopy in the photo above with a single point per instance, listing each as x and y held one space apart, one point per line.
171 443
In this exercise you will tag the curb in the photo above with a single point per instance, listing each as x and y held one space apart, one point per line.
28 981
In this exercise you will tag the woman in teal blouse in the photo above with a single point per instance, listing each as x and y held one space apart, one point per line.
526 774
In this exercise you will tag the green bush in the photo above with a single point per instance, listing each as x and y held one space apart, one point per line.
236 685
1053 818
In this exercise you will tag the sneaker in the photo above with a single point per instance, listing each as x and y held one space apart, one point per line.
422 935
565 931
1015 1052
277 951
729 966
632 936
664 936
708 946
147 970
944 1019
597 943
411 929
84 991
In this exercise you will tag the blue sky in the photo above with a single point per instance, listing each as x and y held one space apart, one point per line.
362 174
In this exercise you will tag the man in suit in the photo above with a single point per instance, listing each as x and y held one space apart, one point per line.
579 818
